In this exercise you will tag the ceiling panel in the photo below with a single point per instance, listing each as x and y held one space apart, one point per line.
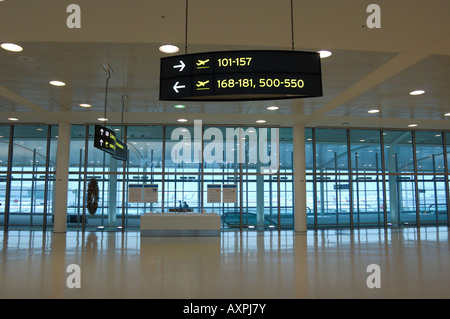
127 37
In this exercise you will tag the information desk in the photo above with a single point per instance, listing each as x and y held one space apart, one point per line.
180 224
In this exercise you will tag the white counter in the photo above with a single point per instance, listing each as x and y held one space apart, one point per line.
180 224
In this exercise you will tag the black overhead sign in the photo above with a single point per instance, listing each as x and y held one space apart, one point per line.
106 140
240 75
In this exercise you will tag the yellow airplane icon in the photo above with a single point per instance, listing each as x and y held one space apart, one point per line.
202 83
202 62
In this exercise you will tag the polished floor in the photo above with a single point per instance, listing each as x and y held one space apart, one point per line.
271 264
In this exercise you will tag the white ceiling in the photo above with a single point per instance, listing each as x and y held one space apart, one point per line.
369 68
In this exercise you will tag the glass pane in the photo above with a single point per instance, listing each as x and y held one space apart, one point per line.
333 206
401 201
398 152
182 192
365 151
309 155
77 147
429 152
331 151
53 147
286 201
4 147
432 200
448 150
287 150
145 146
30 148
183 151
27 200
230 211
134 209
368 201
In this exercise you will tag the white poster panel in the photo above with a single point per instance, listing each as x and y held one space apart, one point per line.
135 193
229 193
151 193
214 193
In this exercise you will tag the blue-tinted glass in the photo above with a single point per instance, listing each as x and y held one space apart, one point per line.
331 151
398 152
429 152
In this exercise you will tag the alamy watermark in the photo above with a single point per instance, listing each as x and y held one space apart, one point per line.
374 279
74 278
237 145
373 21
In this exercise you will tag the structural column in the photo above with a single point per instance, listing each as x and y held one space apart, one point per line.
62 178
299 178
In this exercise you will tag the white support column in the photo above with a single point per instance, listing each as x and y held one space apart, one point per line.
62 178
299 178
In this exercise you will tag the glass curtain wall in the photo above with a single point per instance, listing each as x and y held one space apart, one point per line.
183 162
27 165
372 178
354 177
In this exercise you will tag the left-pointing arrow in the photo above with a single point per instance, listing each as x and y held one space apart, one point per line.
177 86
180 66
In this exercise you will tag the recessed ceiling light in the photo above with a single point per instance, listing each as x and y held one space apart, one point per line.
413 125
417 92
261 121
11 47
102 119
273 108
12 119
324 54
373 111
57 83
168 48
85 105
182 120
179 106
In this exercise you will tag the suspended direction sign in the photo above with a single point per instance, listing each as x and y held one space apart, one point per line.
241 75
106 140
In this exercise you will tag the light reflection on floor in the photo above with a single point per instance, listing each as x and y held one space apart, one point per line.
269 264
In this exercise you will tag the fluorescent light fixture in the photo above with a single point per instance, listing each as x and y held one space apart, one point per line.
373 111
261 121
85 105
11 47
168 48
179 106
182 120
57 83
413 125
417 92
447 114
324 54
273 108
12 119
102 119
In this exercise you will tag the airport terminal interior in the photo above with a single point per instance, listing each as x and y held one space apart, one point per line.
344 194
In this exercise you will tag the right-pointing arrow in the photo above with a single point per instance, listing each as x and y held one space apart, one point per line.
180 66
176 87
